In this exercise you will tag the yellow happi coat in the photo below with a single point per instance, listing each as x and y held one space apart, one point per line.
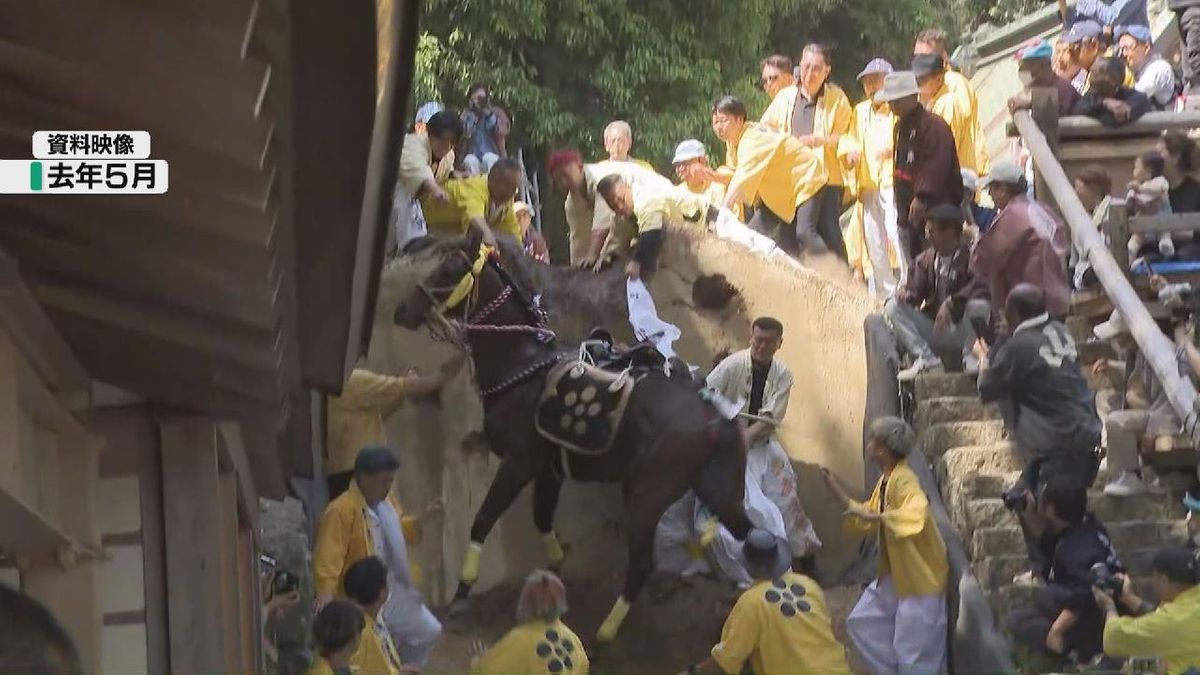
344 538
833 119
962 89
957 112
773 168
873 132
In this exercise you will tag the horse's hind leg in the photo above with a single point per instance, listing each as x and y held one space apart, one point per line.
545 501
645 504
505 487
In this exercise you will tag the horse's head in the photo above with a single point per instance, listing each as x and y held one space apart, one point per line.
455 266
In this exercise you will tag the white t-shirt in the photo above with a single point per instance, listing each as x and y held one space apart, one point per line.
1156 79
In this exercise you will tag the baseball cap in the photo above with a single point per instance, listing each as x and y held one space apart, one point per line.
1178 564
1040 50
427 110
1139 33
688 150
518 207
1003 171
876 67
897 85
1085 29
927 64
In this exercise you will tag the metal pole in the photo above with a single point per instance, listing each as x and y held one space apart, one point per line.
1158 351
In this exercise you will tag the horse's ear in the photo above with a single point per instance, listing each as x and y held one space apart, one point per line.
474 239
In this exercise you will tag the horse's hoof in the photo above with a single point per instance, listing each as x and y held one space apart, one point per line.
458 608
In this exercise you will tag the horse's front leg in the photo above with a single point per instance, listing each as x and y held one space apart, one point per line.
545 501
505 487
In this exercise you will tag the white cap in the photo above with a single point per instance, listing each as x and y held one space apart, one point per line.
970 180
688 150
1004 171
1112 328
522 206
896 86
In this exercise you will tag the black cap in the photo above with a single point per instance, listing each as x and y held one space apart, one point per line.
1178 564
927 64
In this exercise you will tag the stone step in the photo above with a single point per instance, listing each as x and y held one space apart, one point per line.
940 438
940 385
998 571
990 512
968 460
933 411
1128 536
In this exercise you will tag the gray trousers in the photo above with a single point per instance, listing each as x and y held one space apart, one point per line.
917 335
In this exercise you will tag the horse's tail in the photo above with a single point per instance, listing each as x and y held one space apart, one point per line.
721 486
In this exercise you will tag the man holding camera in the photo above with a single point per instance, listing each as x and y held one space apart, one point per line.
1065 621
1168 632
1045 400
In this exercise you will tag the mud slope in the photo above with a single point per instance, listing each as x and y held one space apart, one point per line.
823 345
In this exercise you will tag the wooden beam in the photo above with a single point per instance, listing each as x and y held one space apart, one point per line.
1180 222
1150 124
170 373
252 348
192 524
33 334
138 103
234 447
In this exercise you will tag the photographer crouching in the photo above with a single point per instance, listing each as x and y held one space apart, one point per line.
1064 623
1168 633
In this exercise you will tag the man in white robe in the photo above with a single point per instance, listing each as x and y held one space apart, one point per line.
426 161
764 383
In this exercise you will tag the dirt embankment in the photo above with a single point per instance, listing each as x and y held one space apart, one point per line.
823 346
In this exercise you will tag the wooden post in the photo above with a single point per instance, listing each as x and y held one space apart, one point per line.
1116 229
1158 350
192 522
1044 111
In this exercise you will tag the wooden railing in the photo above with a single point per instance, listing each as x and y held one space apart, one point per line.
1158 350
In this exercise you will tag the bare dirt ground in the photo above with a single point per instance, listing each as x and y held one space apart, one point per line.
672 624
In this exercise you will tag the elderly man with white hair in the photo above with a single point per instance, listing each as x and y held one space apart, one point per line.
618 141
899 623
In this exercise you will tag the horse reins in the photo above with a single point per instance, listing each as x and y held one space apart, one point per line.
467 289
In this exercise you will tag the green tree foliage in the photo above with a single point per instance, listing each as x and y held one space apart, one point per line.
565 68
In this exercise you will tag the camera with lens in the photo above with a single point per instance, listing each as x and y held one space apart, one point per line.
1014 498
1104 579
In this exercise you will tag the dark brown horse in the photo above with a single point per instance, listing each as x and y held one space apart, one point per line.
670 440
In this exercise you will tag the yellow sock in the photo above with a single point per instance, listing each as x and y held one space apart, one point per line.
470 568
608 629
554 549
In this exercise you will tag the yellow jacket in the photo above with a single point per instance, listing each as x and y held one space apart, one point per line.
955 111
654 205
534 648
772 167
714 192
911 548
873 136
469 199
376 653
856 243
355 419
1169 632
833 119
344 538
962 89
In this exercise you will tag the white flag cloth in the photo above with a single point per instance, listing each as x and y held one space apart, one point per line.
644 319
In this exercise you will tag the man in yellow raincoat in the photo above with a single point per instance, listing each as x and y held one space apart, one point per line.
940 100
483 203
642 211
873 238
691 160
818 114
367 521
899 624
770 170
933 41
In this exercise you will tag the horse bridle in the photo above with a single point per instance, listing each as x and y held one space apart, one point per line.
466 290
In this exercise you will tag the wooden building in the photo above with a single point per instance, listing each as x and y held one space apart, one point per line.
163 358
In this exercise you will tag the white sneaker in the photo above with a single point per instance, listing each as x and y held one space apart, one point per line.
1166 247
1027 578
970 364
919 366
1125 485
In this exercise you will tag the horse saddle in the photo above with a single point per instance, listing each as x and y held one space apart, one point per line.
601 351
582 405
